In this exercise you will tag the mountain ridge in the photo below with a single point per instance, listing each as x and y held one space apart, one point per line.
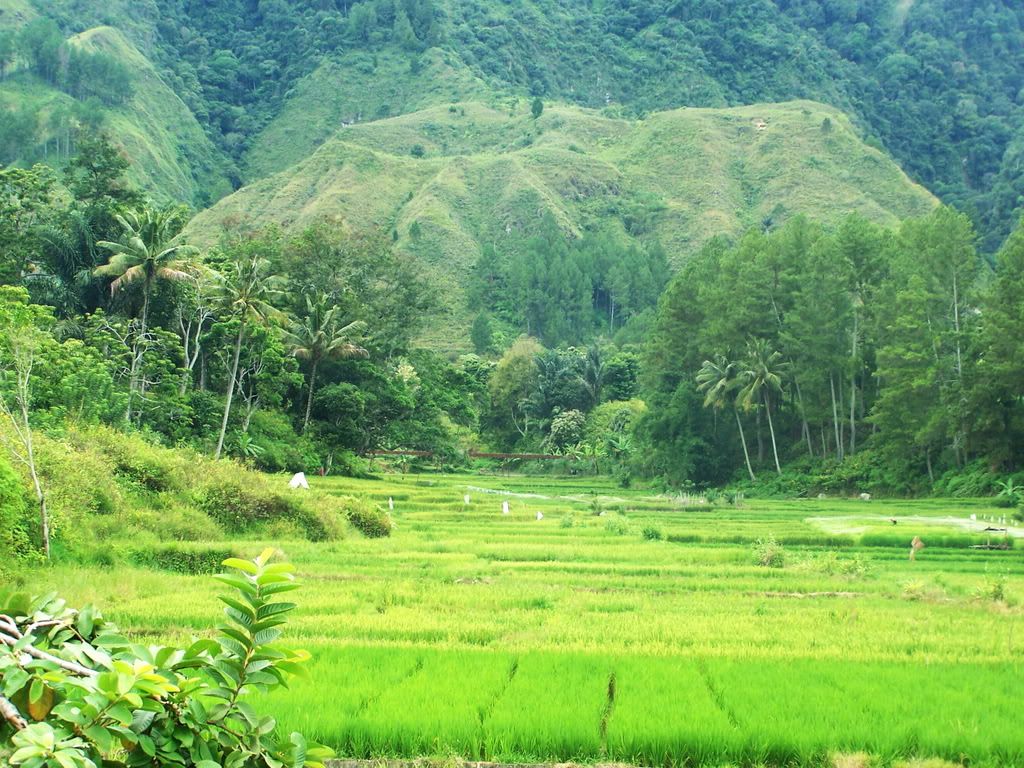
448 180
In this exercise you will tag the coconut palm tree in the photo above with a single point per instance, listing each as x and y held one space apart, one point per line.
592 377
717 379
761 376
320 335
146 252
245 291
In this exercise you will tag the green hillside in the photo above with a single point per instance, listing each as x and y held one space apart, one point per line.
487 175
170 153
14 13
936 83
172 157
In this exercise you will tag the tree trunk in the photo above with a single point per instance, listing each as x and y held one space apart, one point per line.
743 439
231 391
835 417
760 439
30 454
133 371
309 397
806 430
928 463
956 328
771 430
853 388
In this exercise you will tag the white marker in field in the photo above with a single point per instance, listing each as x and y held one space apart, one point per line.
504 508
391 504
465 499
540 515
973 518
299 481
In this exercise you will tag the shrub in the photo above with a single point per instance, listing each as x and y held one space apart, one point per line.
653 533
769 553
16 518
994 589
191 561
89 697
142 464
566 429
238 507
618 525
370 520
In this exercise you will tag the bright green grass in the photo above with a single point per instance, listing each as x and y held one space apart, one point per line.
511 638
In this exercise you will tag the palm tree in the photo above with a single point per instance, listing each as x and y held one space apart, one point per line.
717 379
762 375
592 377
245 292
318 336
146 252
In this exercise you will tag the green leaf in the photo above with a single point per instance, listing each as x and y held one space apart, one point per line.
86 620
101 737
265 556
238 606
237 582
273 609
147 745
241 565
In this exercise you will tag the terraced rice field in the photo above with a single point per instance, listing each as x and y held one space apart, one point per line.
574 637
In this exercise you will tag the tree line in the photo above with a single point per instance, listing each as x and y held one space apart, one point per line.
890 356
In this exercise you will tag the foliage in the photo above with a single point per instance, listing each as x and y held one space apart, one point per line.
769 553
370 520
94 698
862 352
190 560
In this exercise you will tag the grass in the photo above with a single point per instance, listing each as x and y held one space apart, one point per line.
489 170
486 636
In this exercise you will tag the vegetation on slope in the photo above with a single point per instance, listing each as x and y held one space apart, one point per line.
450 181
935 82
99 80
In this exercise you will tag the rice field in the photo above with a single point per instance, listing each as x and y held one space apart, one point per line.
622 625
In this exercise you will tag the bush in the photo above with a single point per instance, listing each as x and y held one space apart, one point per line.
993 589
135 461
238 508
768 553
15 522
618 525
653 533
191 561
67 709
370 520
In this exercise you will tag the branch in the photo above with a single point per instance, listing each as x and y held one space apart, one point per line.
11 714
31 650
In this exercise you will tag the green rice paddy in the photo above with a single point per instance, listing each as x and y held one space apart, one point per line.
646 634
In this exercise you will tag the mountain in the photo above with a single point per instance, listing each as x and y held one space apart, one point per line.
449 180
172 157
935 83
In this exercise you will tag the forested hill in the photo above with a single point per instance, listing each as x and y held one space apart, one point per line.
463 187
936 83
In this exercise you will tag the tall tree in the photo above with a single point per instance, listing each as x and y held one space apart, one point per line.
247 291
761 375
320 334
717 379
146 252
